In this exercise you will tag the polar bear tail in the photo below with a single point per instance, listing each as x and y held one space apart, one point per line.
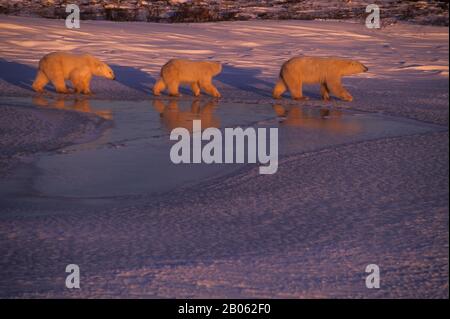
279 88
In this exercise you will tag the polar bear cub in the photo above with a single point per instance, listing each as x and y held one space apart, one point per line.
310 70
198 74
57 67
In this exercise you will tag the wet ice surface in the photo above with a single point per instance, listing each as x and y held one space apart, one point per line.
352 188
132 155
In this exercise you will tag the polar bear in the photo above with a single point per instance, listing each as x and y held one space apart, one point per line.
198 74
57 67
310 70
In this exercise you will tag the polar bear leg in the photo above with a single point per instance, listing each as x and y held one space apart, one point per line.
195 88
337 89
294 85
324 92
77 86
296 90
158 87
40 82
57 79
279 89
81 79
209 88
77 83
173 89
86 86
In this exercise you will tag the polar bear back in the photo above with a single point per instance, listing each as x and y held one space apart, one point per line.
319 69
187 71
64 62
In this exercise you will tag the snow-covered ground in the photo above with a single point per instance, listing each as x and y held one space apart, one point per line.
360 189
401 58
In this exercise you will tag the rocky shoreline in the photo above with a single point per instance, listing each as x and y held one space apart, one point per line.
429 12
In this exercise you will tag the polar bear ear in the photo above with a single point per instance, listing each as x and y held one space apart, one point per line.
100 68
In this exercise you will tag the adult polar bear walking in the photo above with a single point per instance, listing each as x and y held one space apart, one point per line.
311 70
57 67
198 74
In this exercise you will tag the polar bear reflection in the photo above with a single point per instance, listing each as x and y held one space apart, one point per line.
78 104
172 117
324 119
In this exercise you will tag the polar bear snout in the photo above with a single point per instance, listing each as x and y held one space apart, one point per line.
109 74
102 69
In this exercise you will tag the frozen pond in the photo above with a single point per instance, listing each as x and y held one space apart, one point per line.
131 157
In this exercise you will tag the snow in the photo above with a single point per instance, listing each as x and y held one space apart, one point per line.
365 183
255 48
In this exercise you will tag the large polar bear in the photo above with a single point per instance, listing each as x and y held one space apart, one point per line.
198 74
57 67
310 70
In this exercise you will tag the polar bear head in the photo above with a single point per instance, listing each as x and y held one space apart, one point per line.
353 67
100 68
